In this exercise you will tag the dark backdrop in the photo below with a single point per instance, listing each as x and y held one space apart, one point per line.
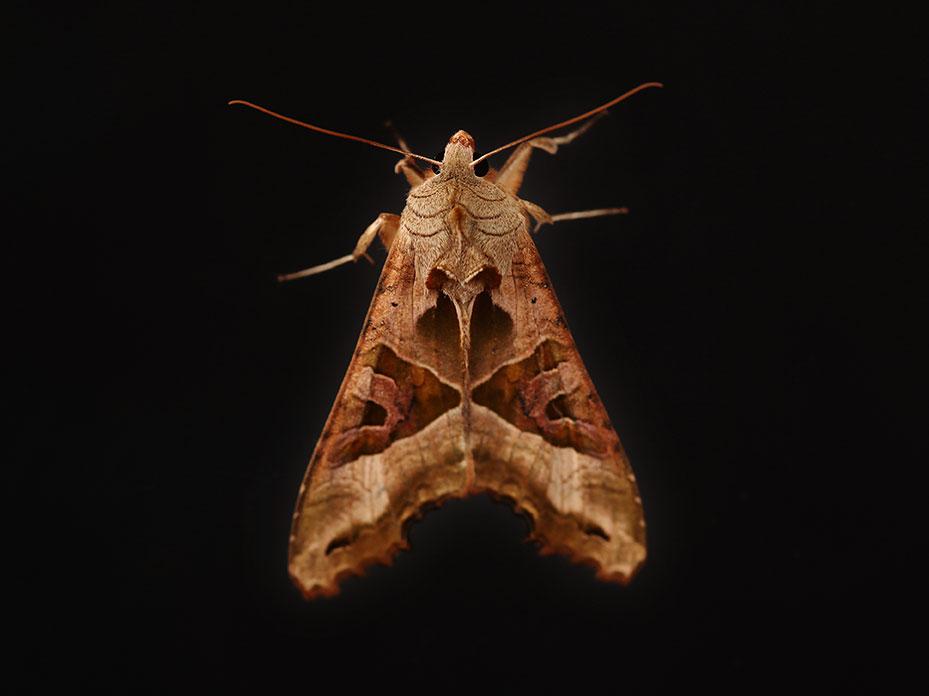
732 323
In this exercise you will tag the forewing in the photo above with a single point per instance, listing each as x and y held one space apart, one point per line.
393 442
540 434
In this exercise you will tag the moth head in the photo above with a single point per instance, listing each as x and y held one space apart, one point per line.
458 155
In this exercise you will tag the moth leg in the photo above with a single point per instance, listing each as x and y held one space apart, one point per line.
385 227
407 166
538 214
388 229
414 175
510 176
543 218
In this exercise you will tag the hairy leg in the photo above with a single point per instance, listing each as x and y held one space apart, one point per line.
510 176
385 227
407 166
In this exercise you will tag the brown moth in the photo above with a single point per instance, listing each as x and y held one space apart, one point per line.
465 379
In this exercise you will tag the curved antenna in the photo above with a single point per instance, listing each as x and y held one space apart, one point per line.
590 113
318 129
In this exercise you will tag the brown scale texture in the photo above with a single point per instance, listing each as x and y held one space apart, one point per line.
465 379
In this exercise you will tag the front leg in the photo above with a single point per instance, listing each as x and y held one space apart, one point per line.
407 166
510 176
385 227
414 175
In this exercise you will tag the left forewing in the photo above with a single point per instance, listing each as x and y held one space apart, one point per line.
392 444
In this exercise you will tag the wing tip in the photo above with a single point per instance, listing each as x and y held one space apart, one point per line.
621 572
315 587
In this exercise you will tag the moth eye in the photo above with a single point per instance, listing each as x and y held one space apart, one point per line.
481 168
435 167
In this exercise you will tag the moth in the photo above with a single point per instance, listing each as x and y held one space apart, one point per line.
465 379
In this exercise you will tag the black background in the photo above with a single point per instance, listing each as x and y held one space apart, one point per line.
741 325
